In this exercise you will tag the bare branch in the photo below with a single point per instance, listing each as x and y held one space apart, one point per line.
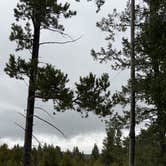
60 32
65 42
43 63
50 124
24 130
25 83
21 114
42 109
30 51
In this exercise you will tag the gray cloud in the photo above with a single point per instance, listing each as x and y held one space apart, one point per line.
73 59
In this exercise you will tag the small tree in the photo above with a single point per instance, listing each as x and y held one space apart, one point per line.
95 152
114 152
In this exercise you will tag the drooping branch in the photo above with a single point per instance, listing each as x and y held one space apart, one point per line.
60 32
25 82
21 114
63 42
42 109
60 131
36 116
32 135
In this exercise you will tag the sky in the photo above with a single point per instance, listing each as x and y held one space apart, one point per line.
73 59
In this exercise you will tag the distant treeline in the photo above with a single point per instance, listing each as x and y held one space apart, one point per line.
48 155
114 152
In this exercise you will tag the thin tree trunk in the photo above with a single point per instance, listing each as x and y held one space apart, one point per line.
31 98
132 111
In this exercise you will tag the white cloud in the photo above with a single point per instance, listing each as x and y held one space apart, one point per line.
84 142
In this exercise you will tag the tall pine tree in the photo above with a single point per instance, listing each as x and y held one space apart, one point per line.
150 62
45 82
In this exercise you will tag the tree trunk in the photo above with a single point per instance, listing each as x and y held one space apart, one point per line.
132 111
31 98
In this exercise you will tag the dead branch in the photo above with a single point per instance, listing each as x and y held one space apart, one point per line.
32 135
42 109
65 42
60 32
36 116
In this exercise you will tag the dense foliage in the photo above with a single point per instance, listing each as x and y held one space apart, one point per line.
150 33
46 156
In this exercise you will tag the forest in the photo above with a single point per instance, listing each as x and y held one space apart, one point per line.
114 153
140 104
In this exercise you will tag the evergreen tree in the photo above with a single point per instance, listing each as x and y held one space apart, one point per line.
95 152
147 153
152 79
114 152
150 63
45 82
93 94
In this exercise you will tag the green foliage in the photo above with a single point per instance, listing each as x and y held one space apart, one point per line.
32 16
17 68
47 155
150 63
95 152
46 82
93 94
146 149
150 54
41 13
114 150
51 84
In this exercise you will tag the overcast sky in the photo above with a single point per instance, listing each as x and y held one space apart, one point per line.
73 59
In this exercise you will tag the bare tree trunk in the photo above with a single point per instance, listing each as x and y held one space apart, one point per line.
31 98
132 111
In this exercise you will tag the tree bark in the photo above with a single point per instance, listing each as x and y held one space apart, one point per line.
31 97
132 111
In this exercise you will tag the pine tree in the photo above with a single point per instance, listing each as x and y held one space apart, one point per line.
110 25
93 95
152 47
95 152
114 151
149 61
45 82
